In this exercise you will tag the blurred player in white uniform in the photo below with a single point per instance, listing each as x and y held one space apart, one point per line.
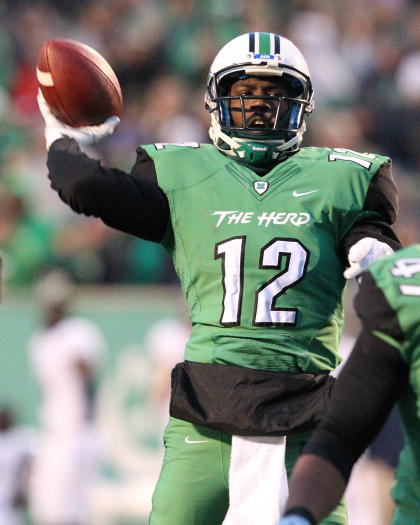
65 355
15 459
165 343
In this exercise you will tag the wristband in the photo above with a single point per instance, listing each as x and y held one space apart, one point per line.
298 516
294 519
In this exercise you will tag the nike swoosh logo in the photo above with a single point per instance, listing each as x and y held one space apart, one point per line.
296 194
190 441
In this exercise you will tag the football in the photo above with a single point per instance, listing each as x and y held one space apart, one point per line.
78 84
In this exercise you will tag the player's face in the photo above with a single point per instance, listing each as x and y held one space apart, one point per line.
259 113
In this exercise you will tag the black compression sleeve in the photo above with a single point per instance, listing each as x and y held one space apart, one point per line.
374 311
382 195
381 198
369 384
132 203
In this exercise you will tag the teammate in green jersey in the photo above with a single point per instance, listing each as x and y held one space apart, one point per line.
260 231
384 367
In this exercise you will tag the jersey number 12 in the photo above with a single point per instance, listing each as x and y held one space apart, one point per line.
232 252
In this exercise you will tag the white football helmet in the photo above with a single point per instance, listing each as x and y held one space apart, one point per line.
259 55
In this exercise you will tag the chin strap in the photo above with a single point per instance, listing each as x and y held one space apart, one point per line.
235 143
217 135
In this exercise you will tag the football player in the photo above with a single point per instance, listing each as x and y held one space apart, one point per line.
383 368
260 231
65 355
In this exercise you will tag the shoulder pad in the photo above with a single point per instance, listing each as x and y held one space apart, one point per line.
182 165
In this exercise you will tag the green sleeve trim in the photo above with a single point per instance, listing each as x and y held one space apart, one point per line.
387 339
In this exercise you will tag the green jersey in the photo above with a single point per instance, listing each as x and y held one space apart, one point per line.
260 259
398 277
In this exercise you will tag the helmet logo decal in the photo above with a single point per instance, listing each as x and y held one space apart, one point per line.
264 57
261 186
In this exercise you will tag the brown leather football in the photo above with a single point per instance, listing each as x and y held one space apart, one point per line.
78 84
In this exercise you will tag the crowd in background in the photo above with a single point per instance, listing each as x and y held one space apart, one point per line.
364 57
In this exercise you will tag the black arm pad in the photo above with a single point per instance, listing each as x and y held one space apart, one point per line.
368 386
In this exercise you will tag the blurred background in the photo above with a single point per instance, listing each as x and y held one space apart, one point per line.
364 58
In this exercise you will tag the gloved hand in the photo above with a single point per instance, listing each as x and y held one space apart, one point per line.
364 253
294 519
54 129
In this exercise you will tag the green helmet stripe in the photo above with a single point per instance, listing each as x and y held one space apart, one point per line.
264 43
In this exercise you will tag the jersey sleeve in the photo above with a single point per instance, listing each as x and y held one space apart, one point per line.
132 203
